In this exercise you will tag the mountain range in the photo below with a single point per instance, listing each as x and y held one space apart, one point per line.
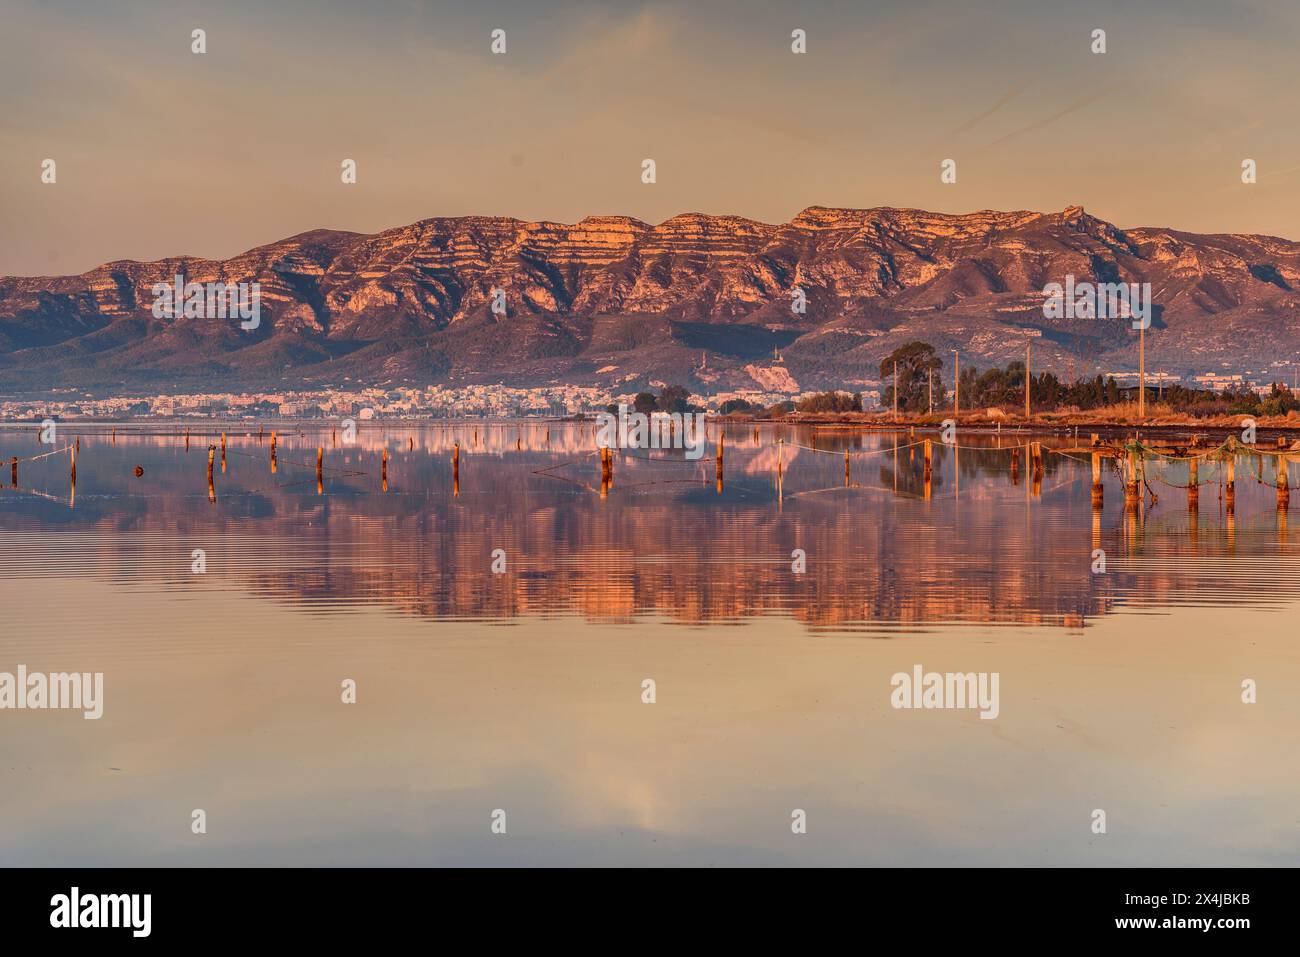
702 300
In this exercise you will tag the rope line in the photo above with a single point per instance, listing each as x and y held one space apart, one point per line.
33 458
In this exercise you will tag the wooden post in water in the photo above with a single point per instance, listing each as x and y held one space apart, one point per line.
383 468
187 440
1038 461
334 436
1193 483
73 466
846 468
1015 466
223 453
320 469
1230 488
115 435
455 468
1098 491
212 457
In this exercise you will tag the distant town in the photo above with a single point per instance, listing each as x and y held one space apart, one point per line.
473 401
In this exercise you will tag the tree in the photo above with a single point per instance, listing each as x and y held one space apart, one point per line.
915 361
674 398
645 403
832 402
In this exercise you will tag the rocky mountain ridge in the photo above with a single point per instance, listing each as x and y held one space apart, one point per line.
700 299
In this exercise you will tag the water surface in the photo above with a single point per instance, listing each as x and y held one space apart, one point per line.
522 690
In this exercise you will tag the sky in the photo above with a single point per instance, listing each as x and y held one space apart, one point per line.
162 152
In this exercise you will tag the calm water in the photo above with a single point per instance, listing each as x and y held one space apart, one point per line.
521 691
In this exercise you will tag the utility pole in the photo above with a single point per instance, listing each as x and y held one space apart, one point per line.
895 390
1028 346
1142 372
956 385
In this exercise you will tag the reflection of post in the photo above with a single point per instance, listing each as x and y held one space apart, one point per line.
73 466
187 440
1283 490
320 469
1131 522
719 468
1193 483
383 468
1096 524
846 468
455 468
929 467
1098 492
212 457
223 453
1015 466
13 471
